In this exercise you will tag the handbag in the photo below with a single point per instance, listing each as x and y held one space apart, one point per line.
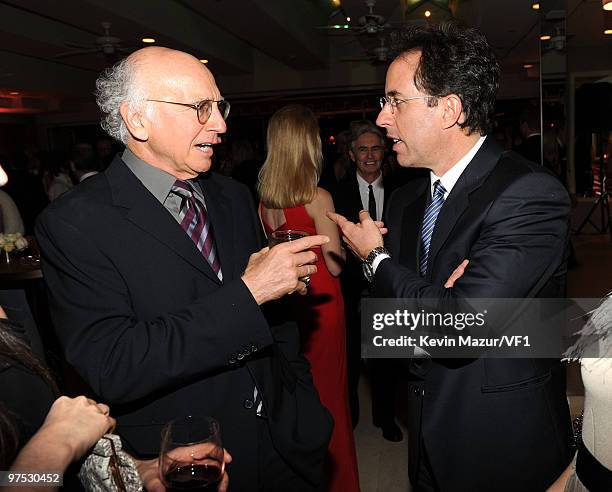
109 469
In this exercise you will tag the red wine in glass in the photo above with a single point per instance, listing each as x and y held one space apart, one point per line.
201 477
191 455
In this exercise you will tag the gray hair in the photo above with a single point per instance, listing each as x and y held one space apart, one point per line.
360 127
115 86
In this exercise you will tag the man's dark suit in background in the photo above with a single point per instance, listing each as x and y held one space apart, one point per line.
383 376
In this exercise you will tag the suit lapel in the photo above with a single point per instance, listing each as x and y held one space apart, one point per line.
219 209
407 244
146 213
458 200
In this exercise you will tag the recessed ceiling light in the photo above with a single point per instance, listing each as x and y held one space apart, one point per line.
607 4
427 13
148 40
608 31
535 6
335 3
527 65
348 19
14 93
544 37
337 26
204 60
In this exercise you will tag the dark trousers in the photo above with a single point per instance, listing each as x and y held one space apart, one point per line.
425 480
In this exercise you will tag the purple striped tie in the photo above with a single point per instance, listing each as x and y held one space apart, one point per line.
193 219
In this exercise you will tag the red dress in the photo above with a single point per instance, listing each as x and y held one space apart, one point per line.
320 317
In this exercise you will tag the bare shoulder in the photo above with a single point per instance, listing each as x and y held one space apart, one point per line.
320 204
323 199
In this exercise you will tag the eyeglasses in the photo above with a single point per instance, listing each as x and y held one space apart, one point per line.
394 102
203 108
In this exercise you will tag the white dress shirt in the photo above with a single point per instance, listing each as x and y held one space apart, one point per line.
377 189
448 180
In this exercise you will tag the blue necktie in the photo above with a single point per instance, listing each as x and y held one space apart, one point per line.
429 221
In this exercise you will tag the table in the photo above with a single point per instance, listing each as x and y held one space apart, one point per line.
19 270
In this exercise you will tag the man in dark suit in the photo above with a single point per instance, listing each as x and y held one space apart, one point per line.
479 424
157 283
365 188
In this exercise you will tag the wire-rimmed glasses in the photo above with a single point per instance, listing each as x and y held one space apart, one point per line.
393 102
203 108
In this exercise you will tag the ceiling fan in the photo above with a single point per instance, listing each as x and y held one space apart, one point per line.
381 54
370 23
107 44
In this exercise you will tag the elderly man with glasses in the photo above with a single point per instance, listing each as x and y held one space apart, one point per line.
157 283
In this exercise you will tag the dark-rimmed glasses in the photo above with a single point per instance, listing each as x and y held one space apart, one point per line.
203 108
393 102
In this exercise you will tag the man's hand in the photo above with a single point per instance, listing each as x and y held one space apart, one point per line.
457 273
272 273
363 237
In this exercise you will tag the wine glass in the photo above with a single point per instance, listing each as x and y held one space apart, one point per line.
277 237
191 455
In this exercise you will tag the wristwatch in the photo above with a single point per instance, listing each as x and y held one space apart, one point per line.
368 271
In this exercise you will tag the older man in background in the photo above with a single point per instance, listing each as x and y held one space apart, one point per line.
157 283
365 188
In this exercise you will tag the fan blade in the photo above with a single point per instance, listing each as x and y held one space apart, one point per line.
78 46
75 53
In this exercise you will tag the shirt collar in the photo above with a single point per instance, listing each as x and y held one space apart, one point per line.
450 177
376 184
158 182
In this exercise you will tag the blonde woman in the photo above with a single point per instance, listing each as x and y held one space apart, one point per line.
290 199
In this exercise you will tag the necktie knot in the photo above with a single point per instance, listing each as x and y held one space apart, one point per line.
183 188
439 189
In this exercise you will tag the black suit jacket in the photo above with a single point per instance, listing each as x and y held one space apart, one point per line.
149 326
485 424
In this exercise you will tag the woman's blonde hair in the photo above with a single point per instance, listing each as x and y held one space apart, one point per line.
291 172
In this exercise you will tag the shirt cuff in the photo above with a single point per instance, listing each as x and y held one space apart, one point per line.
377 261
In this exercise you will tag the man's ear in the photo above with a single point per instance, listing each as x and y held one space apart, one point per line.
135 122
452 111
351 155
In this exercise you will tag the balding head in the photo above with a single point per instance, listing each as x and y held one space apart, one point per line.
135 78
153 101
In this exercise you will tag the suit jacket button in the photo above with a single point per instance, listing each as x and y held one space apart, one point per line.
248 404
417 391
